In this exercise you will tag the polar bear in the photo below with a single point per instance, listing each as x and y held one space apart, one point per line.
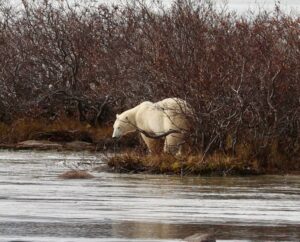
166 116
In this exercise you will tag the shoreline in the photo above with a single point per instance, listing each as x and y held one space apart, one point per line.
132 162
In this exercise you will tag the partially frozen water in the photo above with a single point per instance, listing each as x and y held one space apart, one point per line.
36 205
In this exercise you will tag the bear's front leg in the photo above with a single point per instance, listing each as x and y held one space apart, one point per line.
155 146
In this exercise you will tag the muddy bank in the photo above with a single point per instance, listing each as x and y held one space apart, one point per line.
131 157
72 140
101 146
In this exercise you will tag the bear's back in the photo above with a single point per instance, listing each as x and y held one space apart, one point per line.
145 104
176 111
172 105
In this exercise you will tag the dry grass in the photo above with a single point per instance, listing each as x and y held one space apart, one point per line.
221 164
215 164
136 162
246 160
4 132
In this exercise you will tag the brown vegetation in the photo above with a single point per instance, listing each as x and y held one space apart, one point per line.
215 164
76 174
241 75
59 130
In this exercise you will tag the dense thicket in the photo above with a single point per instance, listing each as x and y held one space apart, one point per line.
241 75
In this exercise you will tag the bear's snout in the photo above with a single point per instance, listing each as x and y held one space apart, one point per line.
116 134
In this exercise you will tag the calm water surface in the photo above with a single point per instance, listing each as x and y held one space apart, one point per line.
36 205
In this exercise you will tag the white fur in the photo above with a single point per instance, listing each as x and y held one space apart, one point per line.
156 118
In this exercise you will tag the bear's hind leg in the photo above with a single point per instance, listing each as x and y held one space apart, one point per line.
173 144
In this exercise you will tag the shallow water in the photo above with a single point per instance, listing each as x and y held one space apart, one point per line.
36 205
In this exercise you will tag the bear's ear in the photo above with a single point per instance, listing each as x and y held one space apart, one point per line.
117 115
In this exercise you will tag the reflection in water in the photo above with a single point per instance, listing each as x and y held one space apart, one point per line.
222 232
36 205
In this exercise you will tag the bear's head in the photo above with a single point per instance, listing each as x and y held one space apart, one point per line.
122 126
